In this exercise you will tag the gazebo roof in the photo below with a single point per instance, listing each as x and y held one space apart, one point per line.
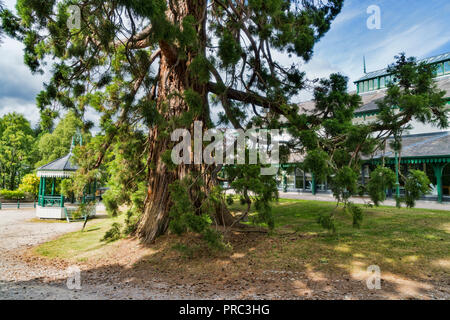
59 168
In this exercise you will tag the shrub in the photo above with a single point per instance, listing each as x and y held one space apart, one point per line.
113 234
416 185
83 210
357 214
110 202
30 184
344 184
184 217
327 222
381 179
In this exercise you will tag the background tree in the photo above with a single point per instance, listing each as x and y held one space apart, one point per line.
412 95
16 149
335 145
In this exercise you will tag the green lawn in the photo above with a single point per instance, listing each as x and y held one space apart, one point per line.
78 245
409 242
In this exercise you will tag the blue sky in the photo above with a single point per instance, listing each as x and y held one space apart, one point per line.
418 28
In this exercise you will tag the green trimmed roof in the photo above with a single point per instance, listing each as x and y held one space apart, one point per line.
383 72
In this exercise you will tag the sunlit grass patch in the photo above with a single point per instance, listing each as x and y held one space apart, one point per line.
76 244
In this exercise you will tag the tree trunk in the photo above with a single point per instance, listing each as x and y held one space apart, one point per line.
12 181
173 81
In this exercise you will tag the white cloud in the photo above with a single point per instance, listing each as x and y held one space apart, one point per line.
18 87
29 110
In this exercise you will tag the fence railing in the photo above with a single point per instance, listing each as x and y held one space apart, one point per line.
17 205
49 201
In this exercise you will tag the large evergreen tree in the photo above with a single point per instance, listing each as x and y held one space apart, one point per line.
152 61
156 64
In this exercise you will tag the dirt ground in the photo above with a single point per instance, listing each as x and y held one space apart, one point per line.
132 271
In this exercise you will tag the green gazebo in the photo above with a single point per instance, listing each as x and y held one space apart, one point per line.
52 205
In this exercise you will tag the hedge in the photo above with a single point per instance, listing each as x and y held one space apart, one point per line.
12 195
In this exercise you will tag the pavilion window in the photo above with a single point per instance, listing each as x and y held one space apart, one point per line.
447 67
366 86
279 180
439 69
290 180
299 179
388 80
382 82
371 84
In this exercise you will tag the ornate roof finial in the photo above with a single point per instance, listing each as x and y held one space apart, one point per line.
80 138
364 59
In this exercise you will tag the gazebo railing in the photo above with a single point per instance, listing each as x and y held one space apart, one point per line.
51 201
88 198
58 201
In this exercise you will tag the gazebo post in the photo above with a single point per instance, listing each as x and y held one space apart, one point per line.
397 181
40 190
313 184
438 170
53 186
43 192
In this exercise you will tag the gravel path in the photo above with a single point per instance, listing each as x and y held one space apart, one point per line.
27 280
19 280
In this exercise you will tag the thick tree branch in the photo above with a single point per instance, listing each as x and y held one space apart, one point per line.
247 97
138 41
